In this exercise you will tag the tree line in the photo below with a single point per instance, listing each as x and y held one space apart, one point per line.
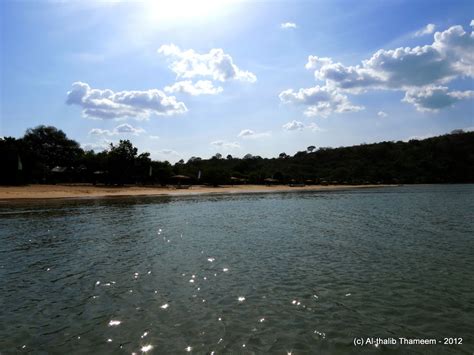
46 155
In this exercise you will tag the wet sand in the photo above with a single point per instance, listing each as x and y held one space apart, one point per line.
89 191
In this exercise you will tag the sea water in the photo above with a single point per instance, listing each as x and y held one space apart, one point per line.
308 272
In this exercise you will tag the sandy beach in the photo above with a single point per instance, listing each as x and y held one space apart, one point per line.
88 191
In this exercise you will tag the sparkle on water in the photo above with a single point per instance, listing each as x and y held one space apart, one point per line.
317 269
146 348
114 323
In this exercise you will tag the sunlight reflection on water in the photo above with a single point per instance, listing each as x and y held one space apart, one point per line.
319 269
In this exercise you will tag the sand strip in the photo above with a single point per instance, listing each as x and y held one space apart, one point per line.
89 191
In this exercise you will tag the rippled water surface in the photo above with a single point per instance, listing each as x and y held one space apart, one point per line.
268 273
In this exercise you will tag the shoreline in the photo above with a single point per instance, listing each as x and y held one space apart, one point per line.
37 192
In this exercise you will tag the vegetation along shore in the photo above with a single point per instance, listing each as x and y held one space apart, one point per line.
45 155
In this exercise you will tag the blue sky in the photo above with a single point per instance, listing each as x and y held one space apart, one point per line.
192 78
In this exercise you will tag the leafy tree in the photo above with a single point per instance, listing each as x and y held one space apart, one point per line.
45 147
121 161
447 158
193 159
215 176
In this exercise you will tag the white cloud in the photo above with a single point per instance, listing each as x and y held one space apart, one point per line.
154 137
246 132
319 100
216 64
106 104
434 98
249 134
450 56
225 144
299 126
124 128
472 23
428 29
201 87
104 145
100 132
288 25
294 126
382 114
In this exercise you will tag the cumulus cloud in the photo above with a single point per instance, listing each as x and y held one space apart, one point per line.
434 98
216 64
100 132
107 104
428 29
226 145
104 145
299 126
201 87
124 128
249 134
382 114
451 55
288 25
414 70
294 126
319 101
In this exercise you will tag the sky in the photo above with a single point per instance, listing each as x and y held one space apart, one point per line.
187 78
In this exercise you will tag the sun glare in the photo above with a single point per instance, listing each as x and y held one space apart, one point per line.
171 10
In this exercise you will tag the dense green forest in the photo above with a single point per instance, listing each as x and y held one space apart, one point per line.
46 155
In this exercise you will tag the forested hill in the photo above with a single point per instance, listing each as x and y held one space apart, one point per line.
46 155
444 159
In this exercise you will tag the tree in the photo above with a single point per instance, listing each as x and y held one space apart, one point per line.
215 176
121 159
311 148
162 171
51 146
283 156
229 157
193 159
143 170
45 147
